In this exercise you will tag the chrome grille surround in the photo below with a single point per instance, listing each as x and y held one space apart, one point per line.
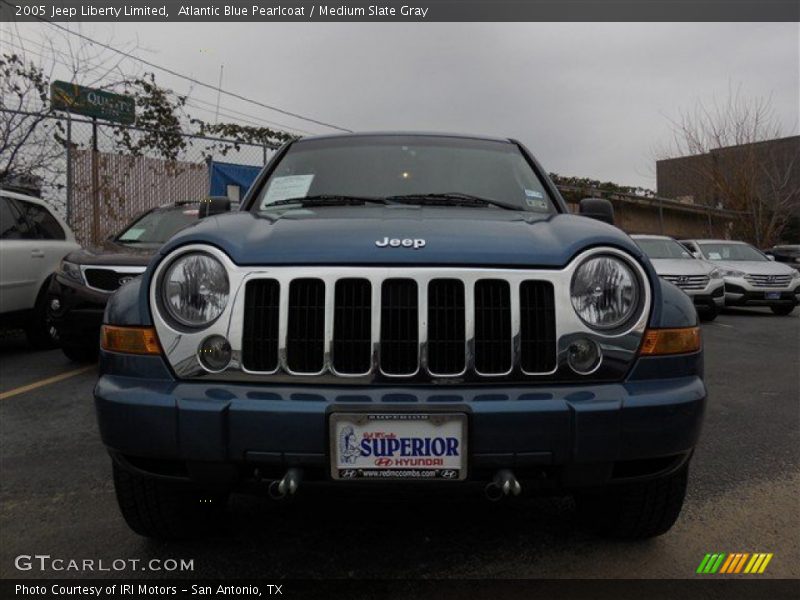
688 282
180 347
768 281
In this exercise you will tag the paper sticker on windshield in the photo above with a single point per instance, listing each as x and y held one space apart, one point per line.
132 234
714 256
534 194
288 186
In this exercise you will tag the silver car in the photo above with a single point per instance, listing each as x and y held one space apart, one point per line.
751 277
699 279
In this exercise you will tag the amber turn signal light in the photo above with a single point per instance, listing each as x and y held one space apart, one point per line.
129 340
671 341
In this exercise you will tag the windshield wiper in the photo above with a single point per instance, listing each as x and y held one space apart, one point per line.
450 199
328 200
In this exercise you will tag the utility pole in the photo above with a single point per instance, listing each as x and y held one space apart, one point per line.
219 92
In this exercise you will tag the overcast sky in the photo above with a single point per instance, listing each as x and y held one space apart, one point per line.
590 100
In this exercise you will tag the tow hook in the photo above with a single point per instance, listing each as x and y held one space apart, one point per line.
503 484
287 486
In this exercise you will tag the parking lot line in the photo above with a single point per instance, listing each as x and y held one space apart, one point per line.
43 382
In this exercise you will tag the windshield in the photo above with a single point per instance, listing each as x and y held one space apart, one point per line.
722 251
394 167
662 248
157 226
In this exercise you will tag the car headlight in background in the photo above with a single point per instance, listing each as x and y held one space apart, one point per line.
715 274
605 292
70 271
732 273
195 289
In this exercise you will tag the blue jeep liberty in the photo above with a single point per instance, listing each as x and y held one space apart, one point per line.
401 310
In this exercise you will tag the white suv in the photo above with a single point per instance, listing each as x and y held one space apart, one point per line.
751 278
700 280
33 241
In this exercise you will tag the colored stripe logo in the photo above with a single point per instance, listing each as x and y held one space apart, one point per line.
734 563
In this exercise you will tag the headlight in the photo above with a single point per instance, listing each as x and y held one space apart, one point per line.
796 275
715 274
194 289
732 273
70 271
605 292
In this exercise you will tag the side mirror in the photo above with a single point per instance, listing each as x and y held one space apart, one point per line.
697 255
597 208
771 257
214 205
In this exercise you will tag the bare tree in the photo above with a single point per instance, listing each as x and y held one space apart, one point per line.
32 138
734 169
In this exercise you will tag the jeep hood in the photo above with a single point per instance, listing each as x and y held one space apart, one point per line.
453 236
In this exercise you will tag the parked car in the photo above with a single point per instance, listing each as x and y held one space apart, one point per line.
401 310
700 280
751 278
33 239
85 279
787 254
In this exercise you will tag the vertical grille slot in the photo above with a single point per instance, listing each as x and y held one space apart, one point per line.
446 343
399 327
492 326
260 339
305 333
352 326
537 327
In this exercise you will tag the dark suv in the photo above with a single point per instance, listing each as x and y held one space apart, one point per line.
85 279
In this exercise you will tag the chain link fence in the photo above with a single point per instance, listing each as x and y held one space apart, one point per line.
101 175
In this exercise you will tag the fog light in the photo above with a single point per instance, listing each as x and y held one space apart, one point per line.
583 356
55 304
214 353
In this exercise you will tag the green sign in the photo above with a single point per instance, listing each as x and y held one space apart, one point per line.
92 103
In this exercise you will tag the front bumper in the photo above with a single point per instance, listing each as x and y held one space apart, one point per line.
740 292
573 435
80 315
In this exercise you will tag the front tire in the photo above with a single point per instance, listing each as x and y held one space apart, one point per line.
783 310
40 333
637 510
165 510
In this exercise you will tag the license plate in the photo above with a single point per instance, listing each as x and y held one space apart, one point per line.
772 295
398 446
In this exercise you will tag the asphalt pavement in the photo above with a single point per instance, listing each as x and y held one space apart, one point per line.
57 499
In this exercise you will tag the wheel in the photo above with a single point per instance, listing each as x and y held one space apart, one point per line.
40 333
783 310
708 313
165 510
80 354
635 511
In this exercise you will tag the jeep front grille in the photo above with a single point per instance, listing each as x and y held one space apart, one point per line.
401 327
305 332
537 327
260 338
492 327
352 323
688 282
768 281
